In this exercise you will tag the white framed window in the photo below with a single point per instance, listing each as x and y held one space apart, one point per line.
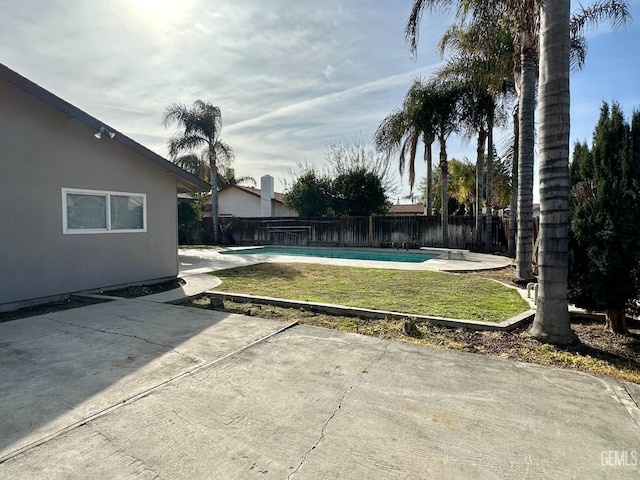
99 211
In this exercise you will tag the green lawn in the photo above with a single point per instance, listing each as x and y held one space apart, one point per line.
412 292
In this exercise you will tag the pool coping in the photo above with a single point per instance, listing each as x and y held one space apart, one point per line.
450 259
431 253
318 307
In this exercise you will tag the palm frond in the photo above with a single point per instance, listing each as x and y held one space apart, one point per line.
224 151
389 134
174 114
412 28
181 142
615 11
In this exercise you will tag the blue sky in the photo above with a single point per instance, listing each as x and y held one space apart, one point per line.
290 77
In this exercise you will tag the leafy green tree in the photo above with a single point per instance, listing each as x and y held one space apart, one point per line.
188 214
462 183
201 126
356 182
605 219
358 192
310 194
581 167
355 155
461 188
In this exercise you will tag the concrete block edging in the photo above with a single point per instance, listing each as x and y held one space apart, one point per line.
504 326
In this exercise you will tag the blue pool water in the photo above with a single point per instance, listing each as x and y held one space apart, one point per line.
380 255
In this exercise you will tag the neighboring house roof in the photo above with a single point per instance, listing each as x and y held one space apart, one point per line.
406 209
186 181
278 197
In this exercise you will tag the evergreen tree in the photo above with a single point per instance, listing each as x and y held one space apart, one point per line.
604 218
358 193
310 194
356 182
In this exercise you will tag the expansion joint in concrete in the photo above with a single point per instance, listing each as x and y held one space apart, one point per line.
135 397
634 413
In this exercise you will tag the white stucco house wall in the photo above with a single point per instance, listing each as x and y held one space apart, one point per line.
79 212
247 202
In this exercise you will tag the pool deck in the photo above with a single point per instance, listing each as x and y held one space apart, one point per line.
201 260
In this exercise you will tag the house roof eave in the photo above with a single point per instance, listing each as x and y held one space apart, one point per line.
186 180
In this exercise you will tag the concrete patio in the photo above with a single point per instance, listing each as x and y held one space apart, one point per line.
138 389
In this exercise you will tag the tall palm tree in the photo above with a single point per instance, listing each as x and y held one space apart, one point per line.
551 322
513 212
400 132
431 110
482 58
527 29
419 113
445 101
201 126
525 17
462 183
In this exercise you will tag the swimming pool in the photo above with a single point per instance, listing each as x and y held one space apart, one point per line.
374 254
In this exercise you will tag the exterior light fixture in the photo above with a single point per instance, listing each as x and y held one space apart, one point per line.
103 130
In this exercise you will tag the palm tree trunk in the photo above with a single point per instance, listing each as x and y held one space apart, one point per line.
489 216
551 322
482 138
215 217
428 158
444 208
513 213
524 243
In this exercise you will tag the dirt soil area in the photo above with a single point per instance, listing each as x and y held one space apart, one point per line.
142 290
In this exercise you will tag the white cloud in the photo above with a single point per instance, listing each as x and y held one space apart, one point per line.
290 76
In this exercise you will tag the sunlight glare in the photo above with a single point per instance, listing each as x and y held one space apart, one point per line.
159 7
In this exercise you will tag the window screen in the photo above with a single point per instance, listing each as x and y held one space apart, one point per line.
91 211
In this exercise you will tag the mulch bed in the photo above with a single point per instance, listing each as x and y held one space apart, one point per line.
142 290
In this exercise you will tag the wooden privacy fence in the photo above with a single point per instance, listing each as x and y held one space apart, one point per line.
372 231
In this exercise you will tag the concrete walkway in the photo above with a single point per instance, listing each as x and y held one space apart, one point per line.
194 285
137 389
